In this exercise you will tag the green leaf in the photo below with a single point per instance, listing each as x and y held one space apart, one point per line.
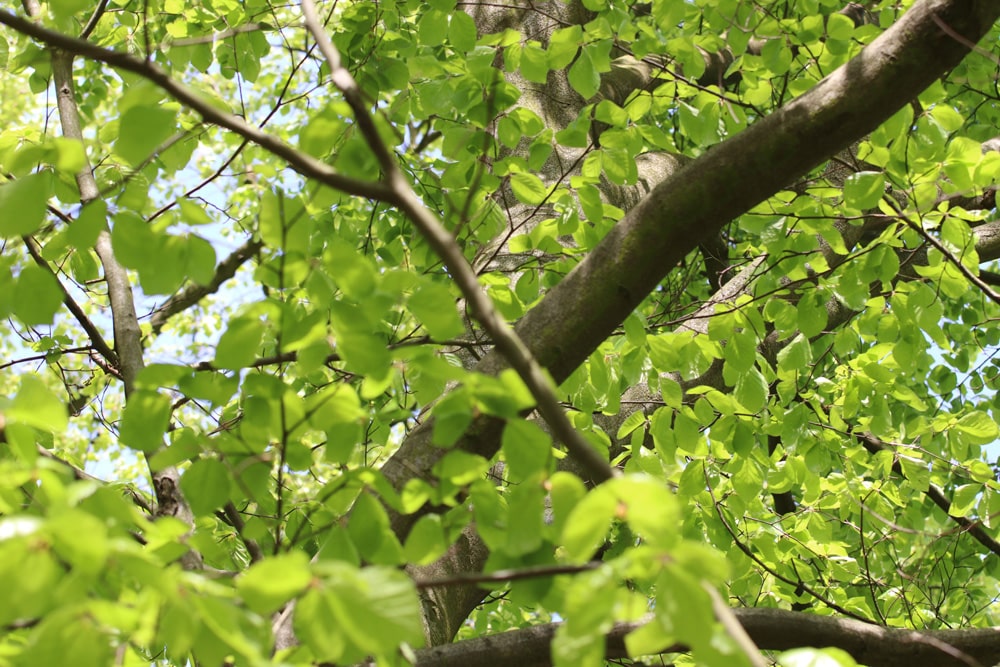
35 405
377 609
365 354
839 27
796 356
67 8
751 390
317 626
352 271
631 423
69 629
37 296
565 491
526 447
528 188
88 225
142 130
583 75
370 531
812 315
426 541
683 607
777 56
813 657
947 117
741 351
81 540
22 204
587 525
534 63
206 485
133 241
145 420
198 259
526 519
434 306
452 415
461 31
433 28
239 344
864 189
569 650
334 405
272 582
461 468
964 500
650 509
978 428
563 46
192 213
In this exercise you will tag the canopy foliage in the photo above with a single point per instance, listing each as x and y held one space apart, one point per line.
489 333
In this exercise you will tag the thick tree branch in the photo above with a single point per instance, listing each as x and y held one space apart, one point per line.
707 193
770 629
396 190
128 345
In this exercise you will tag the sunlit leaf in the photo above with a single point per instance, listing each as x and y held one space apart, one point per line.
267 585
22 204
206 484
37 296
143 129
145 420
36 405
238 345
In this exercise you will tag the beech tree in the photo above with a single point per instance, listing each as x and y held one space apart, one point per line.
478 333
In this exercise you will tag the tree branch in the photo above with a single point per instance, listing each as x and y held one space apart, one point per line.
770 629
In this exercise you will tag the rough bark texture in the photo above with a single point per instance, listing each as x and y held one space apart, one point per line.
771 629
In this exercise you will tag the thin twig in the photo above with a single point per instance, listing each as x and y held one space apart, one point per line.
94 18
748 552
972 46
236 521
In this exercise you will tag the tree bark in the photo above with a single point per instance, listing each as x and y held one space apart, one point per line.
770 629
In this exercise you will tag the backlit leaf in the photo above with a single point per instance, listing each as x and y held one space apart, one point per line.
142 130
267 585
37 296
145 420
